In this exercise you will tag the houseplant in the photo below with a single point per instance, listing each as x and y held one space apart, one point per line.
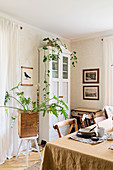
28 107
54 43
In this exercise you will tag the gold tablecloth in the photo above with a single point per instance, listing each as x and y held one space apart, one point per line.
67 154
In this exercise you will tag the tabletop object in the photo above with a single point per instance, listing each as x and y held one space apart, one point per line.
89 140
67 154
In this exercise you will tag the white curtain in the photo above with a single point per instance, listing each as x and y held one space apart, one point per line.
108 71
8 79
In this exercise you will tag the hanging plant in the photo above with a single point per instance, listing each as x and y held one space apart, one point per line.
54 43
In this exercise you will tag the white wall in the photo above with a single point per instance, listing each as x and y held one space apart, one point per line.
30 39
89 53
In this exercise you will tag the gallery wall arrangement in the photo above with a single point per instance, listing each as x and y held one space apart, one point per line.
91 76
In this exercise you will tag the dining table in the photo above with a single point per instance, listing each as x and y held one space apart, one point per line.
68 154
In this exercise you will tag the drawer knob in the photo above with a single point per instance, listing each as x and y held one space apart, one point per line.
60 96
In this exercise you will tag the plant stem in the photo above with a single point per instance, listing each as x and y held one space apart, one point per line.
19 90
12 107
18 102
45 102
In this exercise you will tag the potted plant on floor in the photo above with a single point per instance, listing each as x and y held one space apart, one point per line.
27 109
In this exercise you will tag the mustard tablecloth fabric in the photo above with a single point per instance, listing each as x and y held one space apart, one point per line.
67 154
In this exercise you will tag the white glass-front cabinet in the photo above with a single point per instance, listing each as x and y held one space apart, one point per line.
59 81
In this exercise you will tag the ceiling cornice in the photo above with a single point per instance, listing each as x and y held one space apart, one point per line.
86 36
93 35
14 19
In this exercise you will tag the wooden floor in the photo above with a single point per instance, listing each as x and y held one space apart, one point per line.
20 163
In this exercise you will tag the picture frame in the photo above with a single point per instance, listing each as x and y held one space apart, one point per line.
91 92
26 76
91 76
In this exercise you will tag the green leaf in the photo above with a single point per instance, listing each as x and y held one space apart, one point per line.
74 52
7 98
64 104
50 41
54 111
22 99
58 47
64 113
50 55
45 48
57 39
19 93
19 84
75 58
6 112
45 39
28 100
45 81
45 59
44 112
53 51
13 120
54 57
65 46
16 87
34 104
53 40
54 97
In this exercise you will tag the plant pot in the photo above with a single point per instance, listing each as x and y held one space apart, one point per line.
27 124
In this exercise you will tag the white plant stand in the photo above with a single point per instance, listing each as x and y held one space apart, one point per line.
28 139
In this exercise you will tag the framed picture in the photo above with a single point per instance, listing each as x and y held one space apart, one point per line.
26 76
91 76
91 92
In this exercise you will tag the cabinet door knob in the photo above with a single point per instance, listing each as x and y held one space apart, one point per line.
60 96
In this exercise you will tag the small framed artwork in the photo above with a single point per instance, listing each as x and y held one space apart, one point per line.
91 92
26 76
91 75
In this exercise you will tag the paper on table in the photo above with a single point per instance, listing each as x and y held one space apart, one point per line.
101 139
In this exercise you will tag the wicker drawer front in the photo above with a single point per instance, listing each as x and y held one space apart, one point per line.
27 124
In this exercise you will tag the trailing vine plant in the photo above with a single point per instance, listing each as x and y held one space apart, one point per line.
25 104
54 43
53 56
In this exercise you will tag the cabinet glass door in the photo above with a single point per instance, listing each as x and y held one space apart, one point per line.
65 67
55 66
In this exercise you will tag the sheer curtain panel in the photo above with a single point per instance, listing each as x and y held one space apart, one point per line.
108 71
8 79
